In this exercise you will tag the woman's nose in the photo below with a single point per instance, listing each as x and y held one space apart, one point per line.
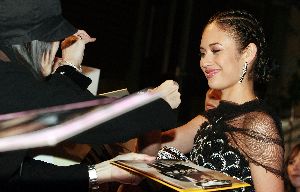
297 165
204 62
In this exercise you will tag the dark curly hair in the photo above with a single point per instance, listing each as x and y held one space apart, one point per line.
245 29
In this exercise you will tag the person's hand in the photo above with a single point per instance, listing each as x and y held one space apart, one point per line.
73 47
169 92
107 172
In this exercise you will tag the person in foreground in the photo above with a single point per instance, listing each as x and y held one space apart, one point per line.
292 170
241 137
32 78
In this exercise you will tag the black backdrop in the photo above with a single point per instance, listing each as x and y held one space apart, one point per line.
141 43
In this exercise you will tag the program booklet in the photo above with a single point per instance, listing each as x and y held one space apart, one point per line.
182 175
49 126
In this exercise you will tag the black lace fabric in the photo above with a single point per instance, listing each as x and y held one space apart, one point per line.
234 136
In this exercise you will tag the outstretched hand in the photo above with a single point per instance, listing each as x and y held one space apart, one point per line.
169 92
107 172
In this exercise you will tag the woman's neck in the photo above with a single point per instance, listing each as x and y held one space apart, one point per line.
239 93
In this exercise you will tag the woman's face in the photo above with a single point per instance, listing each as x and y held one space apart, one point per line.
293 171
48 59
220 59
212 99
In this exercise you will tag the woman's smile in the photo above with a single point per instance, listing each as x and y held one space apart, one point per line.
209 73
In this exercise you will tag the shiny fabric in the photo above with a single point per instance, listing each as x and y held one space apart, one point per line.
234 136
171 153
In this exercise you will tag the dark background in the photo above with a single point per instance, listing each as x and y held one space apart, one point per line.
141 43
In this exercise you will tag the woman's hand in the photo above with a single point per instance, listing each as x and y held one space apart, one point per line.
73 47
107 172
169 92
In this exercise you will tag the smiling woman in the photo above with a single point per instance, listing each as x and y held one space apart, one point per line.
241 136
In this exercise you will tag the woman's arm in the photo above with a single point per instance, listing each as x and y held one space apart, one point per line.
37 175
265 180
181 138
263 144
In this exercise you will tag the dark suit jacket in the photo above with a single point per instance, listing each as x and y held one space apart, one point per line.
20 90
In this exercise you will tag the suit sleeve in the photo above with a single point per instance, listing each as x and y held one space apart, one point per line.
25 92
40 176
156 115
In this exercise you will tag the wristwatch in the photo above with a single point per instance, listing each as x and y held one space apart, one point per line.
93 184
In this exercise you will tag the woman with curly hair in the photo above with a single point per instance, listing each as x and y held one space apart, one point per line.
241 137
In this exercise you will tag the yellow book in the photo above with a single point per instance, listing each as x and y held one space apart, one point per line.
182 176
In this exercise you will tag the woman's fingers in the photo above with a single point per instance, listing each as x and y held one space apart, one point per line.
134 156
82 35
169 92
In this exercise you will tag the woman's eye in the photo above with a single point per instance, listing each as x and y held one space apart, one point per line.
290 162
201 54
215 50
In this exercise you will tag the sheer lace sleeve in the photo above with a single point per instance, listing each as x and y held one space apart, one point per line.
257 135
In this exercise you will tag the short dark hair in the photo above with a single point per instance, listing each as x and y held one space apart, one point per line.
245 29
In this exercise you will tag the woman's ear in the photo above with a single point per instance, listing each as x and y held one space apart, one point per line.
250 53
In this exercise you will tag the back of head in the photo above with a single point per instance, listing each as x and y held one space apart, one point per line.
245 29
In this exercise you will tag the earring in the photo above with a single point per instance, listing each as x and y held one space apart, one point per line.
244 71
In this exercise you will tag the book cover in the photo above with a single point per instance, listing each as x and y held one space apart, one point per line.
182 175
49 126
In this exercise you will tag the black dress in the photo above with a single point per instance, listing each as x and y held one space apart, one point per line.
234 136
